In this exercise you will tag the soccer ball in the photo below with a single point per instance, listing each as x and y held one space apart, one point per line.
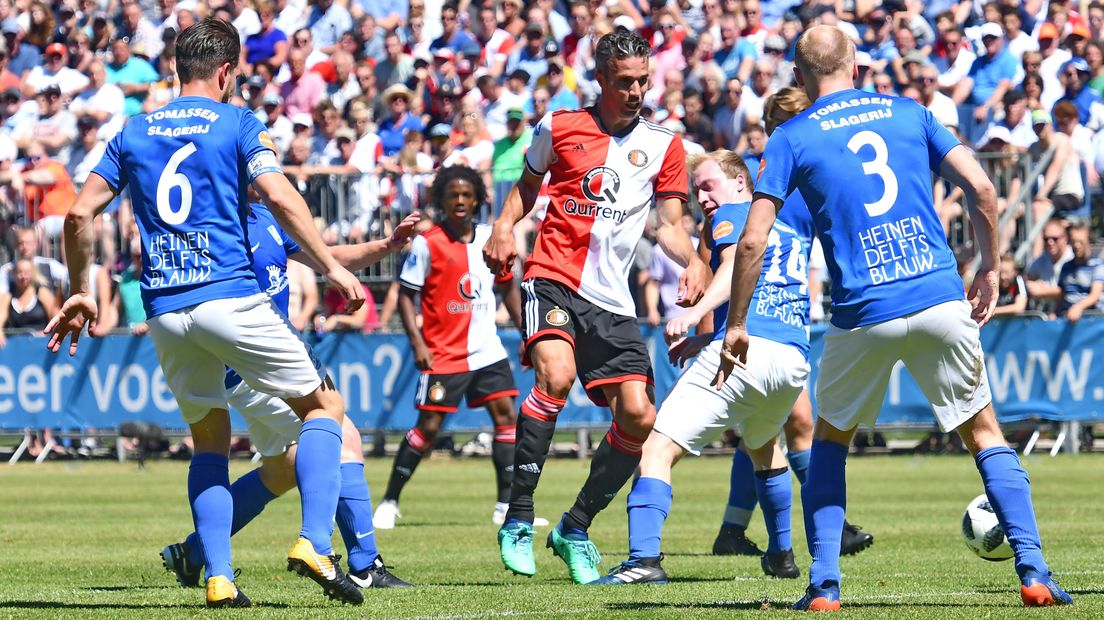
982 533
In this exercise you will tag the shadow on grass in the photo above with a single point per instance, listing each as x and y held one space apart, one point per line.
727 605
65 605
127 588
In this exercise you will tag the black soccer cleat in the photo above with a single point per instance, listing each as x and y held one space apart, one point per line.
780 565
175 560
854 539
634 572
733 540
377 575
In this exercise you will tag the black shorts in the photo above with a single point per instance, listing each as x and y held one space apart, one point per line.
442 393
608 347
1064 203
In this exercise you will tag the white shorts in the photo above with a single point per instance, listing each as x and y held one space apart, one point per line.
273 426
758 398
248 334
941 348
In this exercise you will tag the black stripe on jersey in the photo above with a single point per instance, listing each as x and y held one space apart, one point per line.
680 195
533 172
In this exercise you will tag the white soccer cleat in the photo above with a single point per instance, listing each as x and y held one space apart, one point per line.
385 515
499 516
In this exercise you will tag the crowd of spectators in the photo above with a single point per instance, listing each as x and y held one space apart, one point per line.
365 99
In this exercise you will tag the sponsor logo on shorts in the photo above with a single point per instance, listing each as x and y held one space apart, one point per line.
638 158
557 317
722 230
437 392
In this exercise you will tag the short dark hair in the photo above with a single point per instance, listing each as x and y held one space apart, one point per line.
1013 97
456 173
204 47
619 44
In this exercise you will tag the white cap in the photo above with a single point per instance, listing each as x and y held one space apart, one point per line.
302 118
862 59
990 29
625 22
995 132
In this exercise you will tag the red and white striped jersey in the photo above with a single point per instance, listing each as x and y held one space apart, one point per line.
458 299
497 48
601 191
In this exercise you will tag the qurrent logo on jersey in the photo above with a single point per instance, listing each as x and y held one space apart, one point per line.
469 287
599 185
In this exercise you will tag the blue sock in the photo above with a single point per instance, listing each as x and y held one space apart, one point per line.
824 499
212 510
649 503
316 468
250 498
776 500
741 491
1009 491
799 463
354 517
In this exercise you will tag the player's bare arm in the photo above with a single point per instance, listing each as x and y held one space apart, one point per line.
423 357
718 291
676 242
500 250
292 213
960 167
745 274
80 308
363 255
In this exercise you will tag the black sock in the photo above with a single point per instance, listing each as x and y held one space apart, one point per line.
406 461
610 469
502 455
534 438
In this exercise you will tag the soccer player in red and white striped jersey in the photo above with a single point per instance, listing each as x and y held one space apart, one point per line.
457 348
608 168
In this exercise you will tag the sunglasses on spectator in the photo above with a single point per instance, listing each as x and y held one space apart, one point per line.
1072 73
302 40
666 26
927 80
1055 239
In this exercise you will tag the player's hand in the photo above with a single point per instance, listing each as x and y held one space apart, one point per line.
349 286
983 296
69 321
500 251
692 283
423 357
733 353
678 327
404 231
684 349
1073 315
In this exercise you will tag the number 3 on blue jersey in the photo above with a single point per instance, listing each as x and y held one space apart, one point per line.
169 179
878 166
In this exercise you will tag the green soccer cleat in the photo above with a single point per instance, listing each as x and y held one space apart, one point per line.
515 543
576 550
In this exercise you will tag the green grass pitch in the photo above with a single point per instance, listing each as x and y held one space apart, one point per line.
81 540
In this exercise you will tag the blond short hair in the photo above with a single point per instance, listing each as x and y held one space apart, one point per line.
730 163
824 50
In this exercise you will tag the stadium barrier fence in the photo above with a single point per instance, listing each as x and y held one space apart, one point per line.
1038 370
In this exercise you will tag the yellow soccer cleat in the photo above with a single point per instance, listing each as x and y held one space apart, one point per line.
325 571
221 592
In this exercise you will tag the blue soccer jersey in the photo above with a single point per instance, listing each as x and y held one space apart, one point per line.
862 163
270 247
188 166
795 214
779 308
